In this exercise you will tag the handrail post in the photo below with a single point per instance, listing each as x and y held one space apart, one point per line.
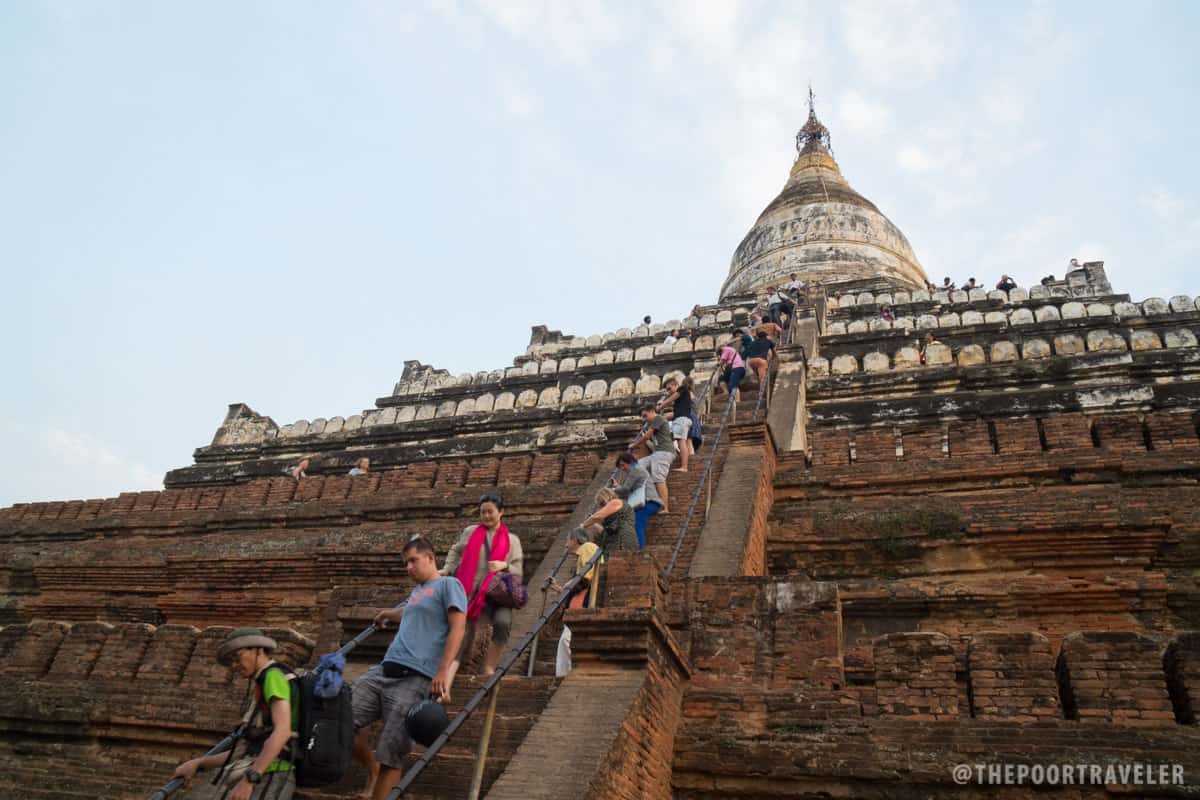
484 741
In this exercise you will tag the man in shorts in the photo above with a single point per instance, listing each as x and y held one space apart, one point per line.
662 451
416 665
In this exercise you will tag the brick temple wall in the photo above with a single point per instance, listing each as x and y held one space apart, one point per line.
264 551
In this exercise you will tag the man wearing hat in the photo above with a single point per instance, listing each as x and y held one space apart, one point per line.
416 665
263 770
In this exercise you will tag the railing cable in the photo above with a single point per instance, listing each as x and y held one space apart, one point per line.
223 746
687 519
492 681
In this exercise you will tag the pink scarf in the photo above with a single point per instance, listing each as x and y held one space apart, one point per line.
470 562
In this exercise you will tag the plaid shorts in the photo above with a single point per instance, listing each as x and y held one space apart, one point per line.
377 696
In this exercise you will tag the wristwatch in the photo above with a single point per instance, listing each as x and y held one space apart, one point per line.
253 776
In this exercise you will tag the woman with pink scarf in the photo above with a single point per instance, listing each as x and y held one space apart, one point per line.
481 552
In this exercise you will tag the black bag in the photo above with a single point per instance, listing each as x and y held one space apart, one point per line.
326 734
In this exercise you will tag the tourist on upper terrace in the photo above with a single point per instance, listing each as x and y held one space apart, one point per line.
1048 279
299 471
638 490
759 356
733 369
361 467
969 285
646 320
1006 284
885 313
929 340
672 337
794 285
263 768
583 593
657 435
947 285
477 558
612 523
418 664
680 400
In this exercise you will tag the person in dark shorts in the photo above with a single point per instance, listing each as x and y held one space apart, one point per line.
417 665
758 356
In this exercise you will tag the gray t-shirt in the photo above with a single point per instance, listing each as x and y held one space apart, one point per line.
421 638
662 434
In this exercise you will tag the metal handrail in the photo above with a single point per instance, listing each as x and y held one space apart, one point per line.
546 585
687 519
491 685
492 682
223 746
764 391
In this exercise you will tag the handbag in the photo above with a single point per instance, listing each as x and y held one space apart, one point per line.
637 498
507 590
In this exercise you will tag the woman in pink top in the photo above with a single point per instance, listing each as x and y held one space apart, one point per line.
733 368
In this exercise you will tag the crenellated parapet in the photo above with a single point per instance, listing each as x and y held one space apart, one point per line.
563 392
992 353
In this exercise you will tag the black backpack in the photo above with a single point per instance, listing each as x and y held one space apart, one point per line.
325 734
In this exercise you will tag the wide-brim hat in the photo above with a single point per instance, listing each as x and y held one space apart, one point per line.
241 638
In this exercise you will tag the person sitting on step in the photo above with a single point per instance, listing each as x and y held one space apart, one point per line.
361 467
299 471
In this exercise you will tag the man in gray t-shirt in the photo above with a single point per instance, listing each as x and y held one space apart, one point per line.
416 665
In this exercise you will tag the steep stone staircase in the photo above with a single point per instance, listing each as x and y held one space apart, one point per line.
521 701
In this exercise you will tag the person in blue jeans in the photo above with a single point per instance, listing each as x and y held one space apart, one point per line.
636 488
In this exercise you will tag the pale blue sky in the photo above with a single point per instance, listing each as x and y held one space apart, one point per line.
280 203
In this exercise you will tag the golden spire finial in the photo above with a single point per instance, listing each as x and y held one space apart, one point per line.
813 137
